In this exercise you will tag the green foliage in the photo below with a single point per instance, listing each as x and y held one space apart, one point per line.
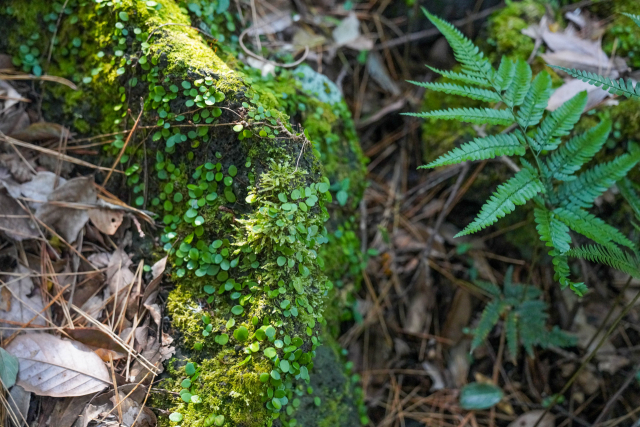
549 163
525 318
616 87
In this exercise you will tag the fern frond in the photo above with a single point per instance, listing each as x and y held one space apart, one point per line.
561 269
592 227
511 333
516 191
505 74
558 338
533 320
552 231
569 158
470 115
630 195
635 18
608 255
466 53
488 147
560 122
519 87
490 316
461 77
453 89
488 287
616 87
535 102
592 183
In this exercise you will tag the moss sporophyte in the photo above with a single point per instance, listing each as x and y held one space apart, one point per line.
241 195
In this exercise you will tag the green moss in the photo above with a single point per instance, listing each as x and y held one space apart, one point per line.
506 25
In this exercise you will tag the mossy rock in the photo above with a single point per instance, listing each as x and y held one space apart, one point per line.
241 193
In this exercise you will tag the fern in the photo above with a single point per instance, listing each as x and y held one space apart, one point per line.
627 191
516 191
591 226
483 148
471 115
562 199
592 183
635 18
453 89
616 87
572 155
525 317
611 256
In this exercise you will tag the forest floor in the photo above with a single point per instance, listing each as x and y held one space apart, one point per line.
414 305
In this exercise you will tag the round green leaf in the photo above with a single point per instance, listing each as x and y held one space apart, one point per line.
241 334
8 368
237 310
190 369
176 417
270 352
478 396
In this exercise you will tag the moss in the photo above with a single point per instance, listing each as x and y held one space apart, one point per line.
506 25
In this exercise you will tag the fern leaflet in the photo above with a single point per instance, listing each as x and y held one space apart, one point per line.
570 157
592 183
627 191
490 316
535 102
616 87
608 255
552 231
516 191
488 147
511 333
472 60
453 89
471 115
635 18
461 77
505 74
592 227
560 122
519 87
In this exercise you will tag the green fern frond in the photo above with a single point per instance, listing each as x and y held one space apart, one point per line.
505 74
488 147
552 231
535 102
453 89
562 272
608 255
466 53
591 226
519 87
592 183
516 191
635 18
630 195
616 87
560 122
489 288
569 158
463 78
470 115
559 338
511 333
490 316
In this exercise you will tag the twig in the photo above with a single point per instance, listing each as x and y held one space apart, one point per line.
126 143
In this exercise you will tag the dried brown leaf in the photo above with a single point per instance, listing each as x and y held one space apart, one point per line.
14 221
25 303
107 220
42 131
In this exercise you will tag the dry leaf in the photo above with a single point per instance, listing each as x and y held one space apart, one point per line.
19 400
95 337
118 273
68 221
42 131
66 411
51 366
14 221
155 353
40 187
531 418
107 220
25 303
17 167
378 72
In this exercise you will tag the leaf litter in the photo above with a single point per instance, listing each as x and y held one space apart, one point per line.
68 296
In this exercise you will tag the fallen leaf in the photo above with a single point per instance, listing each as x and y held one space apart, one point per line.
155 353
478 396
378 72
19 400
8 368
347 31
271 23
107 220
25 303
118 273
14 221
572 87
65 220
40 187
51 366
67 409
19 170
95 337
42 131
530 419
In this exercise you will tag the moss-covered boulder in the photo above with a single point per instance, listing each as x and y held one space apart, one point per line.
242 195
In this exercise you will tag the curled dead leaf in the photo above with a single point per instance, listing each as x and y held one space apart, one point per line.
107 220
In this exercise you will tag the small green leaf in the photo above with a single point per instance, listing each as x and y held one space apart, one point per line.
241 334
237 310
8 368
342 197
478 396
270 352
176 417
123 16
190 369
238 128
